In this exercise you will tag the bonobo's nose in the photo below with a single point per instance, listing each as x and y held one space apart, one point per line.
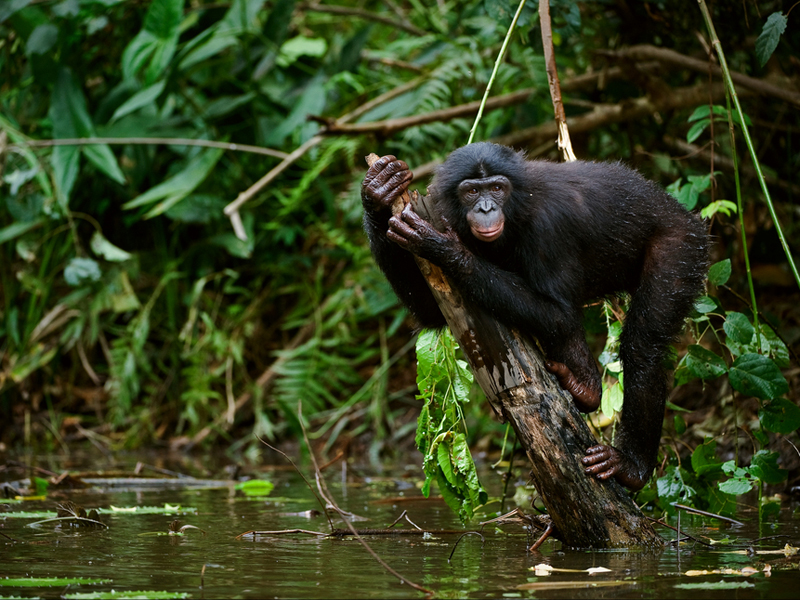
486 206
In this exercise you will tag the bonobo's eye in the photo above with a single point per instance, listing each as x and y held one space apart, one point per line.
473 191
497 187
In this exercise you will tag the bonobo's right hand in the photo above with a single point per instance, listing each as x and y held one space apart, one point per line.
386 180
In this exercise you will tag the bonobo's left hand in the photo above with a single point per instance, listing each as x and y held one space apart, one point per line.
606 461
415 234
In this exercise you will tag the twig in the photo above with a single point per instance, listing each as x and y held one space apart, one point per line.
255 532
706 514
402 515
232 209
605 114
150 141
564 143
498 61
323 490
546 534
679 532
461 537
308 484
758 86
363 14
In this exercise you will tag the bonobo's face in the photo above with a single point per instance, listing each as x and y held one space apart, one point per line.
484 198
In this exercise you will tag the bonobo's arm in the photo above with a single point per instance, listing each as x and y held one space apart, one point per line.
501 293
386 180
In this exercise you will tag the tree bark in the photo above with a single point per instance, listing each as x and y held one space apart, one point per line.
509 367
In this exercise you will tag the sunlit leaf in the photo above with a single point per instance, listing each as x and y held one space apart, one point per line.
81 270
102 247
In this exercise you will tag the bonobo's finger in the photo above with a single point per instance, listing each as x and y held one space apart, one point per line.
410 216
398 227
391 170
378 166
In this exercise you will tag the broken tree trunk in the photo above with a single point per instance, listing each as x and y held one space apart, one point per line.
585 512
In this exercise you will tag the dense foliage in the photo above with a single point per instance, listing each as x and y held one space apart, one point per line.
136 308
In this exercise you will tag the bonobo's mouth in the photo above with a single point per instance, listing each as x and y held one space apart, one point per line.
487 235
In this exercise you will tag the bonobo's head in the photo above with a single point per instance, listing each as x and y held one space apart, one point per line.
474 186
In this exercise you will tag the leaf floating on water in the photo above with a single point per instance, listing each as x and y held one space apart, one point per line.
49 581
167 509
121 595
719 585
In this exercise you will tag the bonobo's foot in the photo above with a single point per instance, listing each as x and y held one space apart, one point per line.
585 398
605 461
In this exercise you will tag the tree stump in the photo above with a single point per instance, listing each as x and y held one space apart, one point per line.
509 367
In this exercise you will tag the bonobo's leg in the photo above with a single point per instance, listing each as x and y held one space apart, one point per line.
574 366
671 279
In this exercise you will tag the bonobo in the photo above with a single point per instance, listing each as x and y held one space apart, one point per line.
531 242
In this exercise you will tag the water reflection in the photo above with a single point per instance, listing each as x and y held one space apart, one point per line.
218 565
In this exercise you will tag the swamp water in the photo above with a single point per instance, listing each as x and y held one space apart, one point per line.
135 554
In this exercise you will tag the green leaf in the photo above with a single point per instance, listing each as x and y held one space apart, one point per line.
197 208
705 304
301 46
736 486
704 459
177 187
756 375
49 581
41 39
611 400
139 99
156 42
697 129
719 273
80 270
17 229
770 36
445 463
704 363
765 466
738 327
780 416
9 7
718 585
726 207
256 487
102 247
71 119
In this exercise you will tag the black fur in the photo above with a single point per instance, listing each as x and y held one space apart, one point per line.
573 232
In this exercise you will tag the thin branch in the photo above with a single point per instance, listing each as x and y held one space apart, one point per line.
564 143
150 141
322 488
232 209
390 126
692 150
363 14
498 61
665 55
605 114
